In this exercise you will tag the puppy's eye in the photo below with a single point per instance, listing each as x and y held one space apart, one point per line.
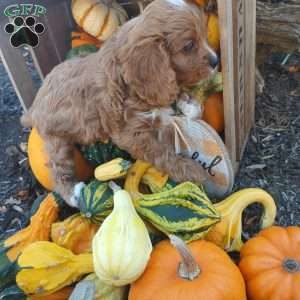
189 46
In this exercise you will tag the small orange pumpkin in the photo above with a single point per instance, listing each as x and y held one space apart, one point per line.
80 38
38 160
214 112
200 270
270 264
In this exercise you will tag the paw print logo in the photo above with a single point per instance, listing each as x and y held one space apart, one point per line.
24 32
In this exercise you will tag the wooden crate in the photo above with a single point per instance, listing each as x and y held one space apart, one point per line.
237 24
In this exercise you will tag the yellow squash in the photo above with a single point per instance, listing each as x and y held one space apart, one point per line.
74 233
227 233
46 268
122 246
134 177
113 169
154 179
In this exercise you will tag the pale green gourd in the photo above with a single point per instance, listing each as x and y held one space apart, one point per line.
122 246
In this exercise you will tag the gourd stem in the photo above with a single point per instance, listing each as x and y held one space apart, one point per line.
291 265
114 187
188 268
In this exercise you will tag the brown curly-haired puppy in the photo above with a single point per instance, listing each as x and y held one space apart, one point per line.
85 100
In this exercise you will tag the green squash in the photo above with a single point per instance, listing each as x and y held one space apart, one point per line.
184 211
170 184
100 153
96 201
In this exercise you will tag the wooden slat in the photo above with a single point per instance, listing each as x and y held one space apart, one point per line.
237 26
239 45
17 70
227 57
250 48
55 42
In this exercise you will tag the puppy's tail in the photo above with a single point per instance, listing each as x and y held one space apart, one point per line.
26 120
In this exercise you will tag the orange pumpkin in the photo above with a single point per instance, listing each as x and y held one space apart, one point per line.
214 112
270 263
38 160
80 38
200 270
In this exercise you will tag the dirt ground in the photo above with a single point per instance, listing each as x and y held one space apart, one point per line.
271 160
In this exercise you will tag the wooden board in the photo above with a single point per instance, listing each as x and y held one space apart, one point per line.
55 42
237 25
16 68
227 58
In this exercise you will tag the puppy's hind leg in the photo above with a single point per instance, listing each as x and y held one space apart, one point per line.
62 165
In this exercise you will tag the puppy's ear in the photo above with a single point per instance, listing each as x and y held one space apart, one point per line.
148 72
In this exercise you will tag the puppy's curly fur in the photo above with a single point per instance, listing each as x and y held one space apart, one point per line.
140 68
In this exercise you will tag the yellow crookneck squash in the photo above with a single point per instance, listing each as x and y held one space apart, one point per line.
227 233
46 268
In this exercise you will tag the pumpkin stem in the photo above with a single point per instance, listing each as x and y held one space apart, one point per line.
291 265
188 268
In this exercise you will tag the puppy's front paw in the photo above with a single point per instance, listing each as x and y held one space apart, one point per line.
74 199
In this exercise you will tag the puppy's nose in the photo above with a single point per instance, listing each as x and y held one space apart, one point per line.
213 60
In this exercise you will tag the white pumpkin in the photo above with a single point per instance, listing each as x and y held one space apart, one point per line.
99 18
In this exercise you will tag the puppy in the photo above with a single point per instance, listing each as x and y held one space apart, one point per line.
101 96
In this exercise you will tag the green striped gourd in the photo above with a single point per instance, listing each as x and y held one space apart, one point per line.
184 211
170 184
100 153
96 201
